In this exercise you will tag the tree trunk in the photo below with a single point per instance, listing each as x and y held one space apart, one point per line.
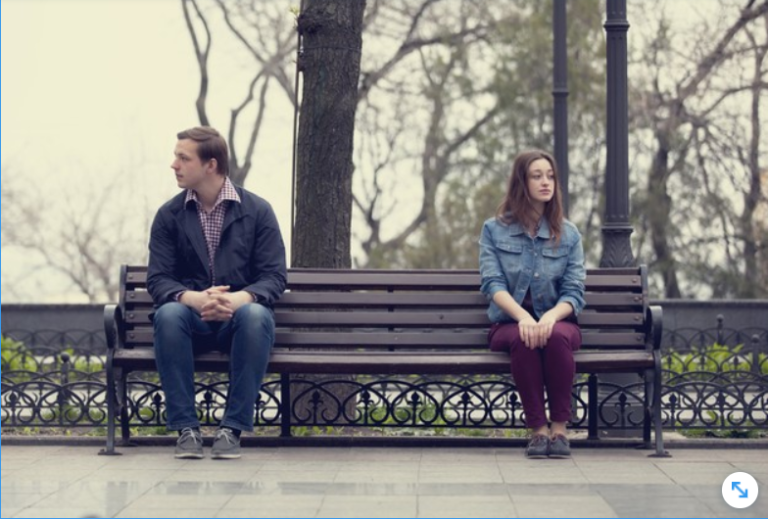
332 43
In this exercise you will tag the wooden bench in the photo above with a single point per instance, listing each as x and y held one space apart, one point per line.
389 322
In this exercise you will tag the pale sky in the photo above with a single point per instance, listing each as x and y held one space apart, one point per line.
95 89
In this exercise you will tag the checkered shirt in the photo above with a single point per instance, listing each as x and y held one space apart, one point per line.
213 222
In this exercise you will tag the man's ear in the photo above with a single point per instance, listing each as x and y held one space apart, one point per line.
214 165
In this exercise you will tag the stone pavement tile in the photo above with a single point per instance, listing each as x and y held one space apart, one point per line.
457 455
128 475
269 488
107 497
461 474
720 508
272 506
562 506
32 486
553 489
21 500
466 506
641 492
315 454
752 467
368 506
31 474
196 488
383 464
374 476
152 500
236 474
661 506
463 489
384 455
700 473
402 488
309 465
9 511
317 476
78 511
545 472
180 511
161 458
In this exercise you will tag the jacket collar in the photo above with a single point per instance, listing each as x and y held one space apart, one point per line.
517 229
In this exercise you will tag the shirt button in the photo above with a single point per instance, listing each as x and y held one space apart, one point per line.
536 275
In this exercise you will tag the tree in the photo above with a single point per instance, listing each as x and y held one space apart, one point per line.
264 29
81 236
683 115
331 32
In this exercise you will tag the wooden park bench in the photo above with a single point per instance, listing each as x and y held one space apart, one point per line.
400 322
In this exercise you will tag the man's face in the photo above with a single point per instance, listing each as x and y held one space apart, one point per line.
190 171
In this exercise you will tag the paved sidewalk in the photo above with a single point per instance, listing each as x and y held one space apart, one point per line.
72 481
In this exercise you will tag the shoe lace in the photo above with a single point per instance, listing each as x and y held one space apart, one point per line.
188 433
228 435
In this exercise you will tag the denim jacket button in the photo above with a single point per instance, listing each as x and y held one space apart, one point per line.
536 275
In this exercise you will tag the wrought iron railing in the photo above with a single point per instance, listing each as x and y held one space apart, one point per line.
714 380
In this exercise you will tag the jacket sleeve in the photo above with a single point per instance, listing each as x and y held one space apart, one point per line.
269 260
162 283
572 285
492 277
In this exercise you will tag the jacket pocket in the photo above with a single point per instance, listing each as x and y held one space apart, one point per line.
555 260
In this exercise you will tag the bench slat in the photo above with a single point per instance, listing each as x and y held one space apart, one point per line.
405 363
474 339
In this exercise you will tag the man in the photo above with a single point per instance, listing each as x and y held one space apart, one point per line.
216 266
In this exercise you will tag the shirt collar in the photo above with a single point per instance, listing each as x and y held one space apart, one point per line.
228 192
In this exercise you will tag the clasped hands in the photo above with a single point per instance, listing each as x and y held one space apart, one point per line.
216 303
536 334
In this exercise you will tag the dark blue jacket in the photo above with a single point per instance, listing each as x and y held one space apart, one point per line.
251 254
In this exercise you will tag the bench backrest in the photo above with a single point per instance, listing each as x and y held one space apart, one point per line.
408 309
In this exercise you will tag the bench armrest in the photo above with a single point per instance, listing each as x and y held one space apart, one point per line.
113 326
654 316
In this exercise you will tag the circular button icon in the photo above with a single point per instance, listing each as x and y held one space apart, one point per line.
739 490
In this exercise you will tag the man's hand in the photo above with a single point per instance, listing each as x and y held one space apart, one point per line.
222 305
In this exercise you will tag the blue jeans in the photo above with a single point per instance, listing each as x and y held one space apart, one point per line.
180 333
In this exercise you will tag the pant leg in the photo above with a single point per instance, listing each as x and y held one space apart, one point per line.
527 370
251 334
560 368
175 326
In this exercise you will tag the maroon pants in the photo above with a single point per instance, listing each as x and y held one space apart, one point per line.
534 370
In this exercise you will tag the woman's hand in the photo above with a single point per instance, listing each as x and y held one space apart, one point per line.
530 332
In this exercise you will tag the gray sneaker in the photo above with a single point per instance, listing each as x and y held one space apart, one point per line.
190 444
226 446
538 447
559 447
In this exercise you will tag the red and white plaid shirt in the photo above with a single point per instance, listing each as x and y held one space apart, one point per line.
213 222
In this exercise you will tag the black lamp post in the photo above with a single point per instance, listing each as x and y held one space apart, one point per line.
560 95
617 250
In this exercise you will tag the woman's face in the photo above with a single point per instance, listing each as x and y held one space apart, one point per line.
540 182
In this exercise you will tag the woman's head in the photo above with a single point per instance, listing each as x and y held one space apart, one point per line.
533 192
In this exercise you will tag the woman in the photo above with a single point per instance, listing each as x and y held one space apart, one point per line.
532 271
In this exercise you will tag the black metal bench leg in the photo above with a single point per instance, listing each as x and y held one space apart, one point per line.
111 414
285 405
648 410
592 409
656 402
124 419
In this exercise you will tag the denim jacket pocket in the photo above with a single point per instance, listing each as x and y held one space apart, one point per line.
555 260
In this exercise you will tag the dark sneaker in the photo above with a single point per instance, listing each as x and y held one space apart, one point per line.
559 447
190 444
538 447
226 446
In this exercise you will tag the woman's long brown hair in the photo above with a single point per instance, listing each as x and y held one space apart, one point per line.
517 205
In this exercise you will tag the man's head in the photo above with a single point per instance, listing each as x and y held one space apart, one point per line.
211 146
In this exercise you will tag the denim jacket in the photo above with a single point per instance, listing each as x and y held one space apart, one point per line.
511 260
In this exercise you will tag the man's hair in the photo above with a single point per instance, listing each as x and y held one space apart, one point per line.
210 145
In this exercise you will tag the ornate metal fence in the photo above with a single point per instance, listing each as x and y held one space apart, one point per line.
715 381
